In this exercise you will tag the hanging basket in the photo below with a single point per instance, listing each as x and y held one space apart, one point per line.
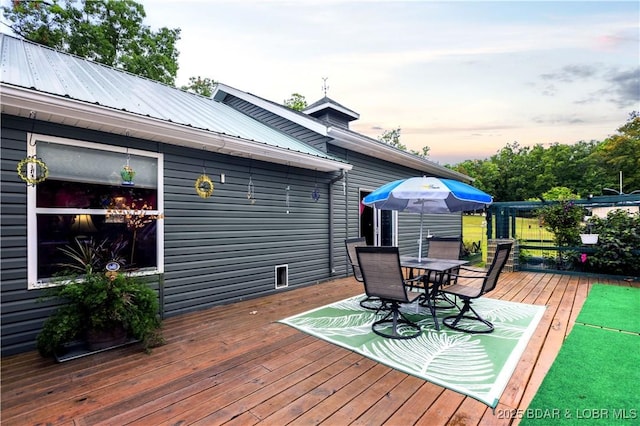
589 238
127 174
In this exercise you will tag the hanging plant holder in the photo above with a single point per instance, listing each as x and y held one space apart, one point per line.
204 186
286 197
127 174
251 195
315 195
32 170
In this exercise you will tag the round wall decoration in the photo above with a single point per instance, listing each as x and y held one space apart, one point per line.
32 170
204 186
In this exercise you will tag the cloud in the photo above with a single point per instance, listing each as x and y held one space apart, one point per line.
572 73
624 87
621 87
557 119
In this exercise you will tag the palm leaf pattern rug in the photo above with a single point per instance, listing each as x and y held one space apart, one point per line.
477 365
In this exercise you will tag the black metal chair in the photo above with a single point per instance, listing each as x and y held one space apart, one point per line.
383 278
372 303
443 248
467 292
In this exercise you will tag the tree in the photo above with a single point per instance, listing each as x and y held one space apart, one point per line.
392 137
201 86
560 193
296 102
110 32
619 153
424 153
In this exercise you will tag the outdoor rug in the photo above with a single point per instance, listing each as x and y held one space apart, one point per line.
595 377
479 365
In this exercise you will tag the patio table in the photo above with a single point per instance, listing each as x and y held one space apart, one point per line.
440 268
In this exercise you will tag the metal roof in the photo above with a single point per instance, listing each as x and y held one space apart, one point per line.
31 66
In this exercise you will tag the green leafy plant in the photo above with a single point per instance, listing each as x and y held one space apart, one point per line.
564 219
86 256
619 237
98 302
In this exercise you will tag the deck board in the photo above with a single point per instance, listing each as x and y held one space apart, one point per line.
236 365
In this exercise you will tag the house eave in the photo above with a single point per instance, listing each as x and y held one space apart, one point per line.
348 113
21 102
367 146
280 110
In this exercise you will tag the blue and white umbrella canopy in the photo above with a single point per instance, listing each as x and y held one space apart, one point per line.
427 195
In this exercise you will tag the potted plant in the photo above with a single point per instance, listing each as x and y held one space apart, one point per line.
589 237
100 307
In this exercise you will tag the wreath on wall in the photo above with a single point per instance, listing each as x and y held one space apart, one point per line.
32 170
204 186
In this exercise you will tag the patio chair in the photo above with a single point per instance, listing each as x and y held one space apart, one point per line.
372 303
444 248
467 292
383 278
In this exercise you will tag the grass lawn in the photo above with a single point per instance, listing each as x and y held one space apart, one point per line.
474 229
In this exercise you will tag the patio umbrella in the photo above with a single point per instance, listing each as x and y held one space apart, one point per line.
427 195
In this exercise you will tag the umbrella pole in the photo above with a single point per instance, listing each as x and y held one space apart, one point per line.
420 240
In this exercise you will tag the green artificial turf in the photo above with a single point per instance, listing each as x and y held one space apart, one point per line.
594 380
612 307
596 377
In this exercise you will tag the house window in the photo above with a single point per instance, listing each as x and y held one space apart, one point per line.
78 200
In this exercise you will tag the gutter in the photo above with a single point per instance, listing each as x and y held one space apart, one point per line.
365 145
20 102
342 176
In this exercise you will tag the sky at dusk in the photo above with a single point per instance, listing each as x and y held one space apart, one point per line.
464 78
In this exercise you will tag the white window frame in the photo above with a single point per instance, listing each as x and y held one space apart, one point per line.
35 282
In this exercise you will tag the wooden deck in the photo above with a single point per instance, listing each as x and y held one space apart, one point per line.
236 365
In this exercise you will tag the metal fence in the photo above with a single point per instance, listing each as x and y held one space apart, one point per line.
536 249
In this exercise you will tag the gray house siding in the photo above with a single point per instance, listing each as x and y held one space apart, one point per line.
297 131
20 316
333 119
217 250
224 249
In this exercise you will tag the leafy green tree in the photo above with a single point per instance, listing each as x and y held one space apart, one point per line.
110 32
424 153
560 193
619 153
563 218
525 173
201 86
296 102
392 137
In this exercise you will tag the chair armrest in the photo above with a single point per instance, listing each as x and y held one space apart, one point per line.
456 276
414 279
478 270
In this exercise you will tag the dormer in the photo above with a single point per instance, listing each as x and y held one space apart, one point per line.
331 112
